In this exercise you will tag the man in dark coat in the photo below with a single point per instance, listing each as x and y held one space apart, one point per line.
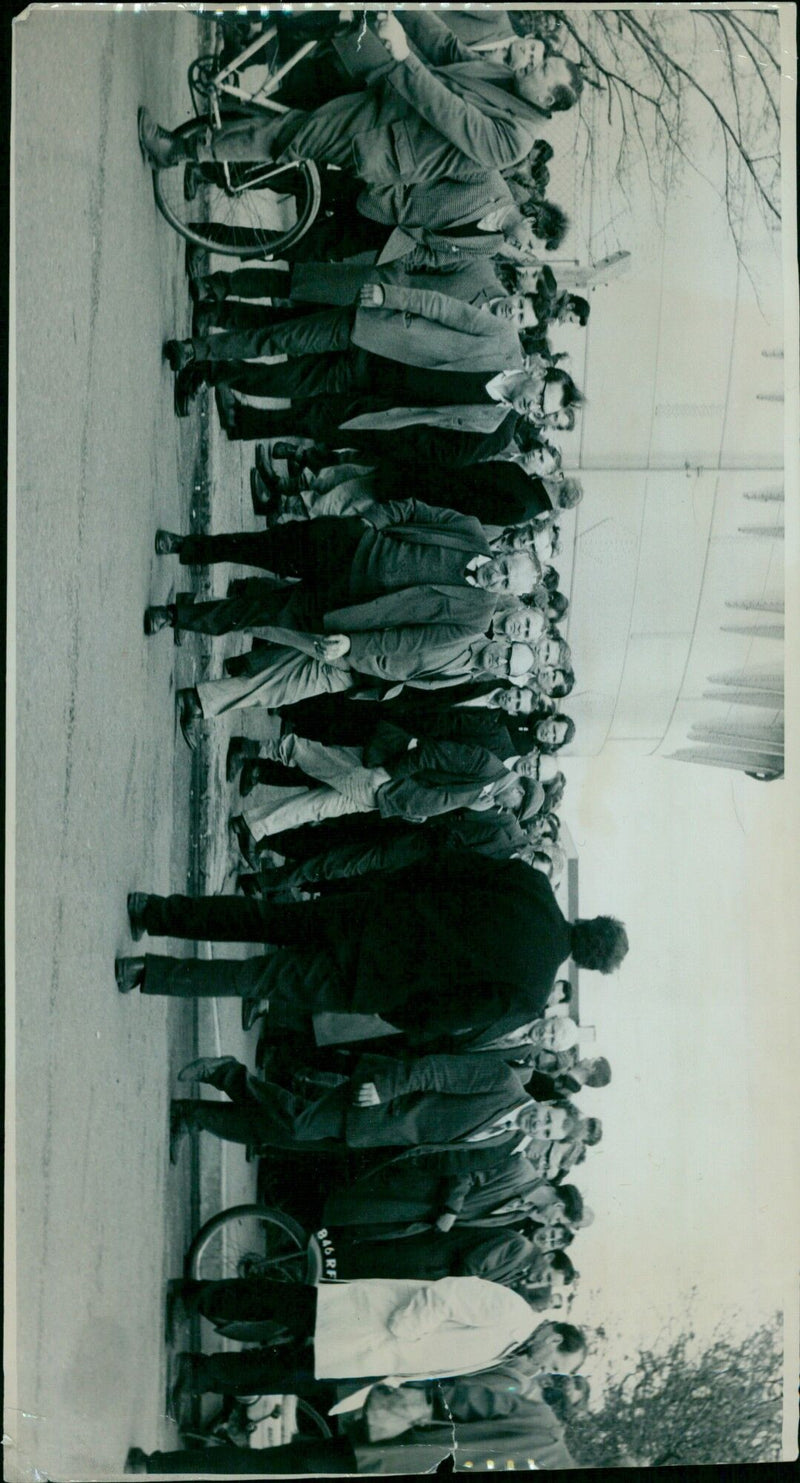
493 931
433 1100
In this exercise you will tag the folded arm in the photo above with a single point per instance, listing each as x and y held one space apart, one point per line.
427 303
458 1076
493 143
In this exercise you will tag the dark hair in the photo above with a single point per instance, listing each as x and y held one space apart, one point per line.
554 1394
569 494
506 275
549 578
599 943
573 1339
552 225
572 1201
566 95
567 986
600 1075
570 395
580 306
548 748
558 603
560 1262
542 153
592 1131
562 687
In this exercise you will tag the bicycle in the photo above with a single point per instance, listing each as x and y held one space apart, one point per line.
257 1241
238 210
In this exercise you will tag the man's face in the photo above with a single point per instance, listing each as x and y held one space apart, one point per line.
548 652
561 421
549 1238
524 624
505 659
516 701
526 767
569 315
540 463
513 571
547 1123
525 51
543 542
521 237
544 1034
548 678
515 309
552 399
538 81
511 796
551 733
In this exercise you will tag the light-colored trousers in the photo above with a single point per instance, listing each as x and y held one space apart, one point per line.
288 677
351 788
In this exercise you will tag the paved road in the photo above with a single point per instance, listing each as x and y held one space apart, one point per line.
102 792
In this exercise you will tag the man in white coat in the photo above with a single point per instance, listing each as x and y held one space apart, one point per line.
379 1330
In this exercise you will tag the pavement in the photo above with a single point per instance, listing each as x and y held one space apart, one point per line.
104 795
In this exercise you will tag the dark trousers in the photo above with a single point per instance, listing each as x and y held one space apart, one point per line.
257 606
320 552
305 1455
298 982
320 419
265 1112
287 1369
312 336
337 234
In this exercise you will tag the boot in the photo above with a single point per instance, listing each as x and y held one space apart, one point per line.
156 618
161 149
240 748
168 543
129 974
179 353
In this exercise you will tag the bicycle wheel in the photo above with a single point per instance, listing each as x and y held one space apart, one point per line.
249 1241
255 211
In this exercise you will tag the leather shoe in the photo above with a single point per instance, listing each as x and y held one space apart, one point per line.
137 905
167 543
249 778
243 839
252 1010
239 749
204 318
195 262
129 972
188 383
179 353
204 1067
192 180
178 1130
227 406
266 499
190 716
159 147
136 1460
180 1391
156 618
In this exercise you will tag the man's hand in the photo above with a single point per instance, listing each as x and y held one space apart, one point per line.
367 1095
332 648
391 33
371 296
446 1221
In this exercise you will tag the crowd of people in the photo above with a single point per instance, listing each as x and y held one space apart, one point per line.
400 834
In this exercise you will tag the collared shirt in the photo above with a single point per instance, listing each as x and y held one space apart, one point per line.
472 566
503 1124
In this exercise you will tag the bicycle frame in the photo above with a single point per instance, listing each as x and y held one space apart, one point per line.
219 85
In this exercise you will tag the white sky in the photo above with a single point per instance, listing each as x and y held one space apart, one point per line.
695 1184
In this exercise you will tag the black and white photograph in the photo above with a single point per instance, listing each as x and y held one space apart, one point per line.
401 913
